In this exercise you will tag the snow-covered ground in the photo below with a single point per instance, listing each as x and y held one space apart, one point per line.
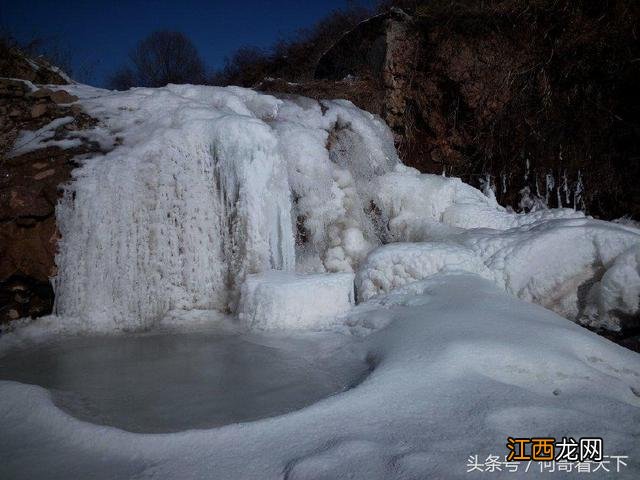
459 367
274 209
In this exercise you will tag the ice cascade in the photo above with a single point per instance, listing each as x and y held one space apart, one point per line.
206 186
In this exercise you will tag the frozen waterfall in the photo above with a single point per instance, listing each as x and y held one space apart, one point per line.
206 186
209 185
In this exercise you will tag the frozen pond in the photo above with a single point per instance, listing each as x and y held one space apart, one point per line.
166 382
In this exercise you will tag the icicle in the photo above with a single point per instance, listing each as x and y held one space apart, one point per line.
550 184
487 187
577 194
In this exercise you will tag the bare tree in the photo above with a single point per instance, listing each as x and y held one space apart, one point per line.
161 58
122 79
247 66
291 59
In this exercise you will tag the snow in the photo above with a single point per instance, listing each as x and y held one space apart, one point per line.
288 301
549 262
617 294
396 265
459 367
413 205
253 216
29 141
548 256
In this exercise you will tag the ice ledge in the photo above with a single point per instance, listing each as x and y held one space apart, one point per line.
277 300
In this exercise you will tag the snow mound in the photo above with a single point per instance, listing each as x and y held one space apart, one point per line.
397 265
552 263
282 300
415 206
616 297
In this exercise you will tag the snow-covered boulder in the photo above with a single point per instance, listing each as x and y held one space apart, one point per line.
399 264
553 263
280 300
615 299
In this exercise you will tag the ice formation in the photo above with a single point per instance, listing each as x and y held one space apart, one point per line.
274 208
616 296
204 188
207 185
289 301
548 256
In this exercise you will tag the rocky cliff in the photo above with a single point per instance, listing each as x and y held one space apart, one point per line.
31 173
536 101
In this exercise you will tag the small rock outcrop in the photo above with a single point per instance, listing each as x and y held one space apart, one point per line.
16 64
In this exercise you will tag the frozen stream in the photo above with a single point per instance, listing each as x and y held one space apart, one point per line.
167 382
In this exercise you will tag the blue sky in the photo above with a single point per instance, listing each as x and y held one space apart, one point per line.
100 34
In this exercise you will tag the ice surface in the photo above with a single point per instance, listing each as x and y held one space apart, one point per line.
167 382
282 300
459 367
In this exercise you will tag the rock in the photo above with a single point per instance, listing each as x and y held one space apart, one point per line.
15 64
38 110
56 96
22 201
60 96
12 88
501 101
21 298
30 183
45 174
